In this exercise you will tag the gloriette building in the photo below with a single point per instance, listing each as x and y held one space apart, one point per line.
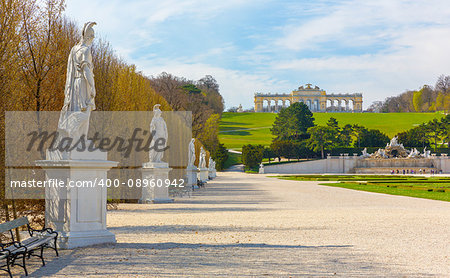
315 98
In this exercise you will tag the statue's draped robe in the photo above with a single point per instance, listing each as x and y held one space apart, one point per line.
191 154
78 99
202 163
158 126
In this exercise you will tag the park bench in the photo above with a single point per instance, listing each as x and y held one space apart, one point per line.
34 245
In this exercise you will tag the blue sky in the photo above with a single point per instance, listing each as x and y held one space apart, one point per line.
377 48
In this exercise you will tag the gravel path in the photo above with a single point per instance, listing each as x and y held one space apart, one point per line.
253 226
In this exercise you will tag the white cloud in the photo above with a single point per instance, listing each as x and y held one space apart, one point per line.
362 23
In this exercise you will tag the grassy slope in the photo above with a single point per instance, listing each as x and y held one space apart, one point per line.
237 129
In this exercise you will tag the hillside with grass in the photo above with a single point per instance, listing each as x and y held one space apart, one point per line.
238 129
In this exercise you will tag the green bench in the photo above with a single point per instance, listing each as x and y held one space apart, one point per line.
16 252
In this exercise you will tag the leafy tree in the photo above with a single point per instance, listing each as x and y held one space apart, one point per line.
210 88
417 101
415 137
440 101
424 100
321 138
345 135
293 122
373 138
269 153
358 131
277 148
301 150
335 130
209 135
201 97
252 155
446 130
191 89
288 149
220 155
333 123
435 130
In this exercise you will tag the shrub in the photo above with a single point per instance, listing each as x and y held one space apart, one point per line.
252 155
220 155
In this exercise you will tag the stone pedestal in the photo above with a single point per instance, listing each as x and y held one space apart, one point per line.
157 191
210 174
191 174
213 173
77 211
203 174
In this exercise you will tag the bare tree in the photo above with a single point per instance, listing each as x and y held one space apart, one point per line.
443 84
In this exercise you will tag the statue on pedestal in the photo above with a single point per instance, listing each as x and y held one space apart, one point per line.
191 156
78 214
158 129
210 164
261 168
202 161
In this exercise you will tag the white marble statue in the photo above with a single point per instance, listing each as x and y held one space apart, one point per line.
210 164
240 109
394 142
380 153
426 153
202 161
79 93
191 153
364 153
414 153
158 128
261 168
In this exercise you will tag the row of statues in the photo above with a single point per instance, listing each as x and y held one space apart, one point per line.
202 158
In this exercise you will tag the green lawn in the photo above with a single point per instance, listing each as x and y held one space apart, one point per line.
435 188
233 159
238 129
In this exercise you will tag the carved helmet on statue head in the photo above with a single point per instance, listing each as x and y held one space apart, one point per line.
88 31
